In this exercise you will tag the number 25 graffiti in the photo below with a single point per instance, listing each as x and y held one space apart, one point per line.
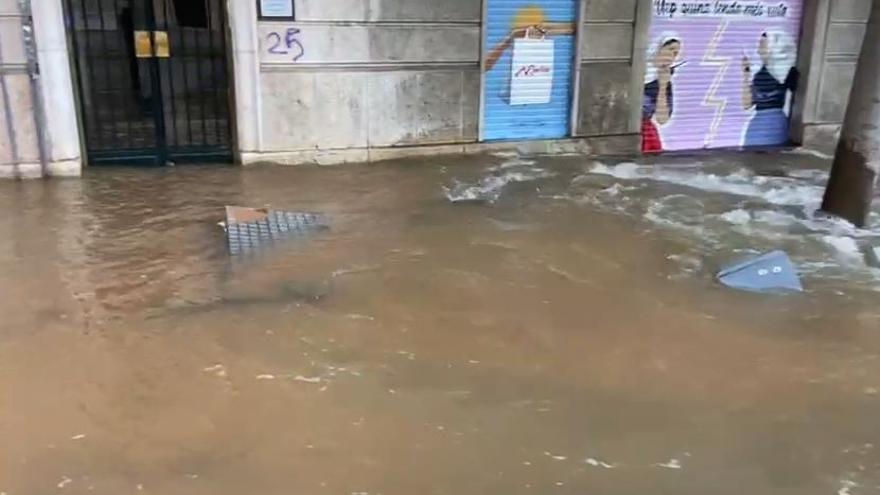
287 44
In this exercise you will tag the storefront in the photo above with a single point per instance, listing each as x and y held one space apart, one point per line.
720 74
529 56
327 81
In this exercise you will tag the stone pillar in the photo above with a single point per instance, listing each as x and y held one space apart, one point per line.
39 133
246 76
56 89
857 162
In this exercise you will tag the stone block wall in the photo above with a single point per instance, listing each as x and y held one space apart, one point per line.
361 75
611 71
832 40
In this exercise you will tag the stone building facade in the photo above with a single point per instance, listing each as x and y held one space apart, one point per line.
355 80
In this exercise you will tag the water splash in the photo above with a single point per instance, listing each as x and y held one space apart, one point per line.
723 212
488 189
740 182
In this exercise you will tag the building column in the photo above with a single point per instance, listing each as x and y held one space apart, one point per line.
244 48
857 162
56 90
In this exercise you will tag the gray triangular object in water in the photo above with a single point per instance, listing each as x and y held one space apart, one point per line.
769 272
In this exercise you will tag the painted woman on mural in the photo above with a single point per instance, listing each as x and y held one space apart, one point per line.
768 90
657 104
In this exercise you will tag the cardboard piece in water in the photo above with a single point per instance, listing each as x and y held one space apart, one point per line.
531 73
769 272
250 228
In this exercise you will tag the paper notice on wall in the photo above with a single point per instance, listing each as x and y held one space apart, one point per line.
276 8
531 74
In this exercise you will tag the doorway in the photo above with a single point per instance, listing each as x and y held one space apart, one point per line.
152 79
529 48
720 79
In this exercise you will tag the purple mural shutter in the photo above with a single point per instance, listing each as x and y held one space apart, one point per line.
720 74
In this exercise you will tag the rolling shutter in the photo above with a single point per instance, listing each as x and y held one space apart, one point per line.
529 54
733 76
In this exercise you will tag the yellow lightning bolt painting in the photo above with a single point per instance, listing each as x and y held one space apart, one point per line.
718 103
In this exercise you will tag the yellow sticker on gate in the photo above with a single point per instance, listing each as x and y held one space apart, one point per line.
143 44
160 41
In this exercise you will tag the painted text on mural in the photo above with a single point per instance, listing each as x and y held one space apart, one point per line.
671 9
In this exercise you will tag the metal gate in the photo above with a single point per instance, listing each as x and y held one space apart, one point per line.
529 48
152 79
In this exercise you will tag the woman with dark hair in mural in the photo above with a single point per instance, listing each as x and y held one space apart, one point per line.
657 104
768 90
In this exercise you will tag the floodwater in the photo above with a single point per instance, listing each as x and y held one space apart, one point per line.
478 325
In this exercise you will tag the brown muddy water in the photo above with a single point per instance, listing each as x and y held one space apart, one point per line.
564 336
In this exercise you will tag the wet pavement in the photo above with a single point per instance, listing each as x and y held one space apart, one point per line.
468 325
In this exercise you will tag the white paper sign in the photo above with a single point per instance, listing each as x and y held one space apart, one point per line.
276 8
531 74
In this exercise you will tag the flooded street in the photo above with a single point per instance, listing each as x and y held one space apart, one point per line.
467 325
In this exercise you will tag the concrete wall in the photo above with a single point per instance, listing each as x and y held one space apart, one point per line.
22 104
832 39
393 73
384 73
611 71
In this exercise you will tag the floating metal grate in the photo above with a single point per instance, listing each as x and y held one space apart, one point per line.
250 229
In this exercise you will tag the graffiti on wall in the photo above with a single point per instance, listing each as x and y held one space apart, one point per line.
286 43
528 65
720 74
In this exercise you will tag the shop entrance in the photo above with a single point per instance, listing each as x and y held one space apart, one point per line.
528 64
153 79
720 77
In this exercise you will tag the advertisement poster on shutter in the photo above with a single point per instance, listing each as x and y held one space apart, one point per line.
531 72
720 74
530 46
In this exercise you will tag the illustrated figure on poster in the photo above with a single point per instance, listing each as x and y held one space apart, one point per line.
768 90
657 105
528 21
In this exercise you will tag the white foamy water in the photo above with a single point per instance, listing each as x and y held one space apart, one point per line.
720 211
515 162
724 212
737 217
486 190
843 246
489 188
741 182
809 152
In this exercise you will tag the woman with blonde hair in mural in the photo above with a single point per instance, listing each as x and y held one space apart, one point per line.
657 104
768 91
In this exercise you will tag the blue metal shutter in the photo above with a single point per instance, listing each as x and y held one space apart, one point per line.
550 118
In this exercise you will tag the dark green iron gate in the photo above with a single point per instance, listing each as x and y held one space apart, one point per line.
153 79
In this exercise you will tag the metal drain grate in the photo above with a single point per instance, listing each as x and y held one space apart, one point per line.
275 226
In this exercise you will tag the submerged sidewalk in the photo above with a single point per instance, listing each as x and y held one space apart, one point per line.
559 332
